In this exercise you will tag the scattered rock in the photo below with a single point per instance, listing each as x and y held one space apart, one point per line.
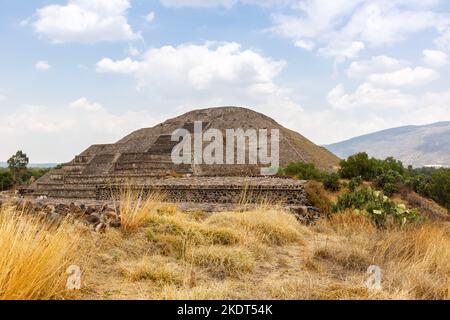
93 218
100 228
115 224
305 214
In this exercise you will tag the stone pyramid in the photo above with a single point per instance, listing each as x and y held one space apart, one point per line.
143 158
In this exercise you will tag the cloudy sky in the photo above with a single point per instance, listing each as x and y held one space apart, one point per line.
79 72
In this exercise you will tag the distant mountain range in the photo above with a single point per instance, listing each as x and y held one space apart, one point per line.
426 145
33 165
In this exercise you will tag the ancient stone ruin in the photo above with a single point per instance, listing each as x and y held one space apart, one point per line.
142 160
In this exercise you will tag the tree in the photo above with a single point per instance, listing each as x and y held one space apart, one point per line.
6 181
18 165
359 165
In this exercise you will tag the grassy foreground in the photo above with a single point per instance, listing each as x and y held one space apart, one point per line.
161 253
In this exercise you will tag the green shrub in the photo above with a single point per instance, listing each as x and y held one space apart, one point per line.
440 187
431 183
360 165
304 171
355 183
331 182
6 181
389 181
377 206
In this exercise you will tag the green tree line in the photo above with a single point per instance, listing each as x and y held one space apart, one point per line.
17 172
388 175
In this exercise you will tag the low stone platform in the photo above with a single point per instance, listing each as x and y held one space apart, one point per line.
197 189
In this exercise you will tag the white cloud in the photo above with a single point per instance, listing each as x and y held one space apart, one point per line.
209 74
198 3
2 98
123 66
209 69
378 64
443 41
405 77
150 17
368 96
435 58
339 27
369 109
342 50
132 51
85 21
305 44
86 105
42 65
389 72
52 134
224 3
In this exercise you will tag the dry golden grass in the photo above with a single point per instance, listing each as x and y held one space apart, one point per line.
348 223
33 256
266 254
223 260
417 258
263 253
135 207
156 268
271 226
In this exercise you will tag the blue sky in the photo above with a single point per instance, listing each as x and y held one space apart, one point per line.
79 72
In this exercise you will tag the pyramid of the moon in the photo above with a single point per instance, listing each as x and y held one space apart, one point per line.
143 159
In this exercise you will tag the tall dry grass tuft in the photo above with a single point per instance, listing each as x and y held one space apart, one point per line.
33 256
348 223
417 260
136 207
424 247
271 226
222 260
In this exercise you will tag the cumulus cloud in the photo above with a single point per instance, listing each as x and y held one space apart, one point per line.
405 77
368 96
209 74
435 58
339 28
371 109
51 134
198 3
198 67
42 65
342 50
150 17
223 3
386 71
305 44
443 41
85 21
378 64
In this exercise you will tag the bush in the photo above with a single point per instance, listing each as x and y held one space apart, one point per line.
6 181
304 171
389 181
355 183
432 183
360 165
440 187
331 182
377 206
